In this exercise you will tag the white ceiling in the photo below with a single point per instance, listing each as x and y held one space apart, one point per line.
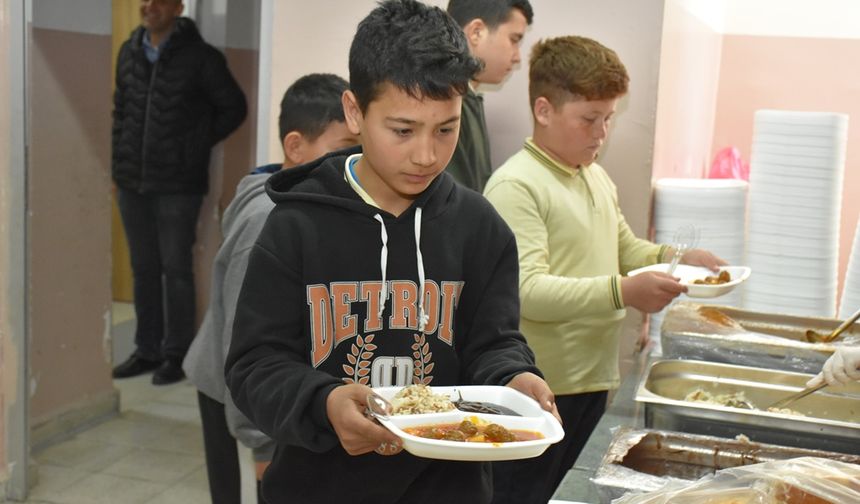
780 18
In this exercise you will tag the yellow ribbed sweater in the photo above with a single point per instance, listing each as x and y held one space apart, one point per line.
573 244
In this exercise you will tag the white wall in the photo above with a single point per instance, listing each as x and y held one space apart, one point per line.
689 76
633 30
243 27
81 16
317 36
793 18
778 18
210 17
308 37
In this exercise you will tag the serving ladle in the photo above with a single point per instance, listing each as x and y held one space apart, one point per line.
815 337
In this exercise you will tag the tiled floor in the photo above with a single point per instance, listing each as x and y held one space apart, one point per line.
151 453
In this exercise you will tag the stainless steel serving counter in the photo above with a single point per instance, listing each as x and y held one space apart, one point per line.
624 411
765 340
816 432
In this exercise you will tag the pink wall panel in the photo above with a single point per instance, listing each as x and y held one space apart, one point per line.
805 74
686 102
69 221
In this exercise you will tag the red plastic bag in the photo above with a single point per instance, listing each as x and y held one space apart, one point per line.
728 164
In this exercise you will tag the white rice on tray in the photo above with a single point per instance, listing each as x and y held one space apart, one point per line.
416 399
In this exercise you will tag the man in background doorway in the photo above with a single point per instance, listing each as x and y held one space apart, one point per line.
494 30
175 99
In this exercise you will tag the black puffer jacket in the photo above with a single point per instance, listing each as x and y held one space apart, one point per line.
168 115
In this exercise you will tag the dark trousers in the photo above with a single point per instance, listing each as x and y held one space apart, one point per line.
161 229
534 480
222 456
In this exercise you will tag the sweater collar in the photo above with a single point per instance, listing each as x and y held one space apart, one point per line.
548 161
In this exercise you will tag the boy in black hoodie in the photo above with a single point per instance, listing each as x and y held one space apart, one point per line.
376 269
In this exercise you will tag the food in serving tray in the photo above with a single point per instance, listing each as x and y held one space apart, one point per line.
473 430
733 400
417 399
802 480
722 278
716 316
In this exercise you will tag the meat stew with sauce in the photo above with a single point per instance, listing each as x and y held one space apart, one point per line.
470 431
722 278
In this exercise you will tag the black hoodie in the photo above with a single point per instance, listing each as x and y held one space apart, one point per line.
308 320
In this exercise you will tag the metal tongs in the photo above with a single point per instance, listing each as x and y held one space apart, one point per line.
782 403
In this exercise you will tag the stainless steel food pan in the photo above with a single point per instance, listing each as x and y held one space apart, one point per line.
831 421
646 459
757 339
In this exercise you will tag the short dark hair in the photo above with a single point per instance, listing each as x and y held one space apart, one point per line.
310 104
564 68
415 47
491 12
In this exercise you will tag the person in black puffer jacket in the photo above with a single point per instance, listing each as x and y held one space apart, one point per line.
175 99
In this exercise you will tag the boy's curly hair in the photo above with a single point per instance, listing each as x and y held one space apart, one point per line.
566 67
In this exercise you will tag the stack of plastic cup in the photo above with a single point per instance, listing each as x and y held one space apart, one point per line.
796 174
717 209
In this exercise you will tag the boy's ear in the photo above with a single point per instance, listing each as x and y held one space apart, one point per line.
542 110
294 148
352 112
475 31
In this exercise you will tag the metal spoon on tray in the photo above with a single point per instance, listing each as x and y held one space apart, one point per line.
378 407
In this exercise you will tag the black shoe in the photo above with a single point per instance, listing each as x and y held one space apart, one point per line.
169 372
134 366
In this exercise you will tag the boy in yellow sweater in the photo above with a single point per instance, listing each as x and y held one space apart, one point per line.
574 247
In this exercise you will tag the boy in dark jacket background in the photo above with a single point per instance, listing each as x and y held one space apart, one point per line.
376 269
175 99
494 30
311 125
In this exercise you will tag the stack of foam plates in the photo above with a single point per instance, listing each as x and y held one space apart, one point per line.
796 174
851 291
717 209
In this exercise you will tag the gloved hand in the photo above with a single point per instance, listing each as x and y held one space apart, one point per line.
842 367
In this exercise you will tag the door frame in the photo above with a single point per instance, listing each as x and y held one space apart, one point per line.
264 81
16 390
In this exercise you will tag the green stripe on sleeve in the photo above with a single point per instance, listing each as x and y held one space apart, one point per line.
615 290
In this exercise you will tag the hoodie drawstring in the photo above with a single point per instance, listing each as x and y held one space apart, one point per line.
423 318
383 264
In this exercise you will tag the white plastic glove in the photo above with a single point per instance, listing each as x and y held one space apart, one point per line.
842 367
